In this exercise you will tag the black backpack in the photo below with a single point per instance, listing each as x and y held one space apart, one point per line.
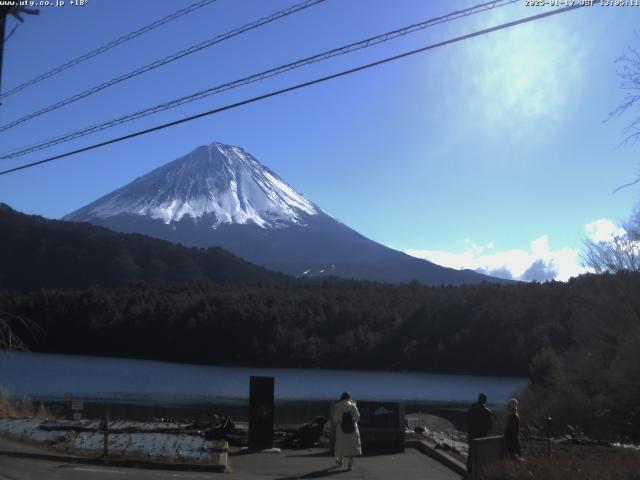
348 425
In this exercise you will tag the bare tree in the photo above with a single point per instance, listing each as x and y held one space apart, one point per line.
628 70
620 253
616 255
9 340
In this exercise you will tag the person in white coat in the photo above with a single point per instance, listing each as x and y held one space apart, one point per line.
347 436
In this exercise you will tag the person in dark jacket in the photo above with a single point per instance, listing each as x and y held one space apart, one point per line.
512 431
479 424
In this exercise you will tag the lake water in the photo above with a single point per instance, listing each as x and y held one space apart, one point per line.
48 376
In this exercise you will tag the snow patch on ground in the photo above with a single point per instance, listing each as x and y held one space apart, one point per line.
29 428
447 441
189 447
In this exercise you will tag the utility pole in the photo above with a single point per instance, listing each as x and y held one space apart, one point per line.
3 22
5 10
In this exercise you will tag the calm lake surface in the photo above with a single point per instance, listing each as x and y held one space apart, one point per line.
48 376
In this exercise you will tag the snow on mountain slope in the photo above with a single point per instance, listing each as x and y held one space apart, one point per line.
219 195
217 179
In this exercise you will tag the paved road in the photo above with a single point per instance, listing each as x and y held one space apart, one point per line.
290 465
29 469
287 465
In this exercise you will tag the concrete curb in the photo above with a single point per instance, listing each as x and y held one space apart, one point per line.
127 463
438 455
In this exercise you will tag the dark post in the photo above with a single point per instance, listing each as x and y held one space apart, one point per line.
68 401
261 413
549 421
4 10
105 429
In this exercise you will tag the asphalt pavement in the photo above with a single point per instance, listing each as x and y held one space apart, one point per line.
286 465
318 463
29 469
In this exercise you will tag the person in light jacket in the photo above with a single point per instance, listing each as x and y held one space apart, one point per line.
512 431
347 443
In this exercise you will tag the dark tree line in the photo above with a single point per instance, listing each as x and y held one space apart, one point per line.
484 329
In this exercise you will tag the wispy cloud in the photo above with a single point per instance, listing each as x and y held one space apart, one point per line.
522 78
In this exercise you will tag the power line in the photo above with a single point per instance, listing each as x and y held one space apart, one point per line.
164 61
257 77
108 46
298 86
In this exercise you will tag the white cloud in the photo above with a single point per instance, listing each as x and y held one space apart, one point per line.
603 230
540 262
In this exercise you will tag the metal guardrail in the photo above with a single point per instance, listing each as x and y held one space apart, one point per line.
484 452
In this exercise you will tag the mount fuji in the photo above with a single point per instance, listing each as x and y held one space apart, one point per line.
221 195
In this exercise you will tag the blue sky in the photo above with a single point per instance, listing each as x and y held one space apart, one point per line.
492 153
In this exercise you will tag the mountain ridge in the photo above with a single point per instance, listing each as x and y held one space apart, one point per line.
36 252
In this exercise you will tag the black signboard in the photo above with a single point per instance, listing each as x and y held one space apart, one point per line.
382 426
261 413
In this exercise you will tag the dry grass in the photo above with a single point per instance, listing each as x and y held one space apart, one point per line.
22 407
571 463
42 412
7 406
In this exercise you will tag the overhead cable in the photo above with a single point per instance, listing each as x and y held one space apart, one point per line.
164 61
107 46
298 86
368 42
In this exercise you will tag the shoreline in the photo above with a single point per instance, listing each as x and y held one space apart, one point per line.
283 366
286 412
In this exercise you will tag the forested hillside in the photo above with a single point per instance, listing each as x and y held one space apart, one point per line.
40 253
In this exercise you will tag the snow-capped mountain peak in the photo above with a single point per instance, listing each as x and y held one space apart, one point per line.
219 181
220 195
